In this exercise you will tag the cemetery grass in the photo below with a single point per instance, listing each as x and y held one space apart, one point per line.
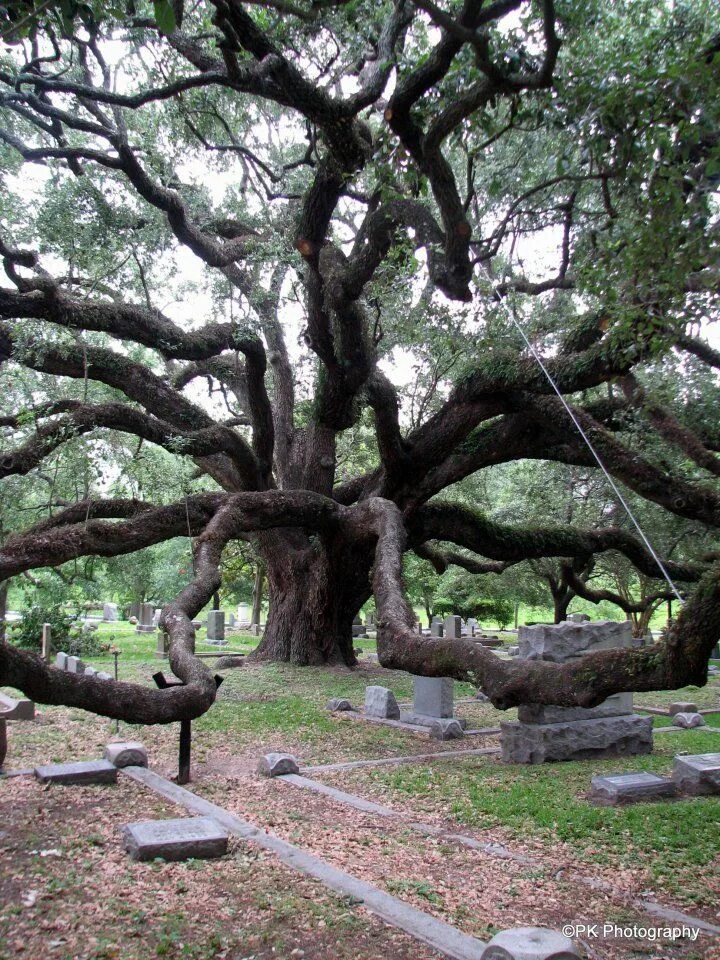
667 850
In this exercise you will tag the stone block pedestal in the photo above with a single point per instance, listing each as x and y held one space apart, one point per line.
577 740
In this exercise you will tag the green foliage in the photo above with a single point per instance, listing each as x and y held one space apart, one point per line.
27 633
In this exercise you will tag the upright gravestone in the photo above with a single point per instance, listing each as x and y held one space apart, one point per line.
453 628
433 706
243 615
133 609
216 627
110 612
436 628
162 650
231 620
358 628
156 617
147 615
572 733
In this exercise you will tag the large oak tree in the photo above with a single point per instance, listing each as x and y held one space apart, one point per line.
392 180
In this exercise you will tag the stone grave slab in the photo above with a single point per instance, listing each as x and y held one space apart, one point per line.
697 774
199 838
84 772
576 739
630 788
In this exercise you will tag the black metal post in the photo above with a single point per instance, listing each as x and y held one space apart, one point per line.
185 745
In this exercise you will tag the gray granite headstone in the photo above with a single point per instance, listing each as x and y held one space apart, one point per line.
75 665
698 774
87 771
216 625
110 612
145 620
61 660
199 838
453 627
433 696
381 702
101 675
630 788
436 629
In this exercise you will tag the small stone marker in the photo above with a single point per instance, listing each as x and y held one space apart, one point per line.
61 660
129 754
75 665
682 708
688 720
530 943
85 772
630 788
278 764
381 702
89 672
698 774
199 838
446 729
339 704
101 675
436 629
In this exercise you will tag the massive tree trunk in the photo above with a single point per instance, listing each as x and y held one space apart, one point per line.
315 591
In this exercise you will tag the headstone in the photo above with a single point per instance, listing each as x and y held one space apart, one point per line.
243 615
147 615
162 649
101 675
436 628
630 788
46 643
688 720
698 774
530 943
513 651
88 771
446 729
544 733
278 765
199 838
134 610
110 612
231 619
682 707
156 617
129 754
216 626
358 628
12 709
453 627
75 665
338 704
381 702
61 660
432 702
90 672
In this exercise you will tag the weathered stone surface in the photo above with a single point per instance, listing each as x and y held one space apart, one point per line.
620 704
698 774
578 618
128 754
453 627
688 720
530 943
559 642
446 729
630 788
576 740
433 696
183 839
75 665
229 662
339 704
278 764
216 625
682 707
88 771
381 702
61 660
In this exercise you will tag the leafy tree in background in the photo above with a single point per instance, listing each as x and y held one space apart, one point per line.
229 229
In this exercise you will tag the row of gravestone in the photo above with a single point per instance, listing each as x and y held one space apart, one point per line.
75 665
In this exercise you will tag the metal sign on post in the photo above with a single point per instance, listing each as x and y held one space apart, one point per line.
163 683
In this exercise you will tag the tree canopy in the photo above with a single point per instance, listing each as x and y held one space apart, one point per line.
295 248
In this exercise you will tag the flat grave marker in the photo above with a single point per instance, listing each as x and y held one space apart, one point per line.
84 772
630 788
200 838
